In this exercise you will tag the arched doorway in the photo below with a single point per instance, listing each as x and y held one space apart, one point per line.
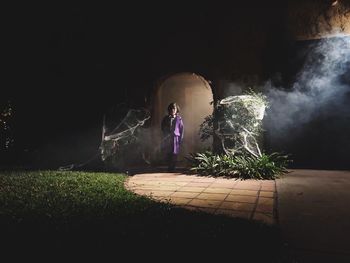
194 96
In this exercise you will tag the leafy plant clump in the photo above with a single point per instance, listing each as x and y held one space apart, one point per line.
236 123
266 166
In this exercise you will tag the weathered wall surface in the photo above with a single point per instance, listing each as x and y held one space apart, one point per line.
255 43
314 19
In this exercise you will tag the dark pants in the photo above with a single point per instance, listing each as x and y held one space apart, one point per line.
171 161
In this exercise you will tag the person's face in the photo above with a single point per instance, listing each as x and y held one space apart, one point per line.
172 111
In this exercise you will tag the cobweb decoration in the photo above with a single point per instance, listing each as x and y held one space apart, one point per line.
124 134
239 123
122 140
255 105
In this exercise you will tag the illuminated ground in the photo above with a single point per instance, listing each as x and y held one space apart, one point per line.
250 199
311 207
314 213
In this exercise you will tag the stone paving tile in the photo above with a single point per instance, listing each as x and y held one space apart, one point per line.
141 187
143 182
159 174
223 185
151 184
266 194
248 183
150 189
265 201
181 179
265 205
241 199
168 188
170 182
268 182
233 213
247 186
145 176
148 183
180 183
205 203
264 208
237 206
160 184
184 194
225 181
244 192
186 175
266 218
198 184
211 196
205 180
217 190
173 178
249 199
164 175
268 188
252 181
191 189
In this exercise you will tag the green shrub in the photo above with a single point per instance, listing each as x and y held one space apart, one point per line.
236 122
205 163
266 166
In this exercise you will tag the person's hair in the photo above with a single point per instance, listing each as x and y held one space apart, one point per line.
173 105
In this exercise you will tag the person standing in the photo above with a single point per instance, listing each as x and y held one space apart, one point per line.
173 132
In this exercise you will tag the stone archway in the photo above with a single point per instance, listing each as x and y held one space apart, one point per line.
194 96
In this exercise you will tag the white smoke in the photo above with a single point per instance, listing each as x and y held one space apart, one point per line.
321 82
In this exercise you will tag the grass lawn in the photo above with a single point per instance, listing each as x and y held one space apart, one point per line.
85 213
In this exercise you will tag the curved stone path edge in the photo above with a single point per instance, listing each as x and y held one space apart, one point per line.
249 199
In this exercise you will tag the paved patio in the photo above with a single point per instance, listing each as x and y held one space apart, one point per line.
249 199
314 215
313 205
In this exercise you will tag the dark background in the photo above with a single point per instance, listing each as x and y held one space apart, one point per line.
67 66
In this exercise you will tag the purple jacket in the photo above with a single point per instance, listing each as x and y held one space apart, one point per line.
172 134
